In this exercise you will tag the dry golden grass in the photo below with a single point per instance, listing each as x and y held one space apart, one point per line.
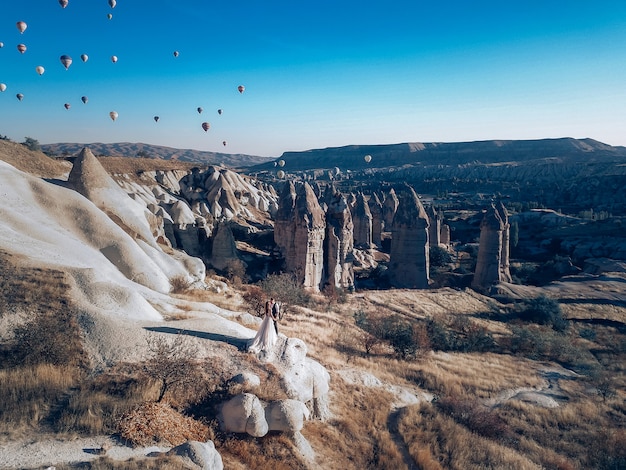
27 395
35 163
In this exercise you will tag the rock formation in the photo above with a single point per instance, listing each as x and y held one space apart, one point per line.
408 260
310 230
390 206
489 267
434 228
299 232
362 220
202 455
445 235
376 209
339 243
505 271
224 248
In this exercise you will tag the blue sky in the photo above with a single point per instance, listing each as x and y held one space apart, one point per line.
317 74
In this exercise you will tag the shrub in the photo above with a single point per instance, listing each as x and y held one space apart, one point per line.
151 423
477 418
172 364
399 334
286 289
31 144
439 256
544 311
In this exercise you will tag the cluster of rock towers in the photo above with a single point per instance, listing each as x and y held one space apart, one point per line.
317 234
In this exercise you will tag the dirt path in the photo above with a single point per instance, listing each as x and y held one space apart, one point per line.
392 426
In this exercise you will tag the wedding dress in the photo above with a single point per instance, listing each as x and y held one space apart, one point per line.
265 338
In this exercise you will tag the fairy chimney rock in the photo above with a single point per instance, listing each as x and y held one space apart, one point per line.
339 243
434 229
376 209
488 265
390 206
362 220
409 256
310 230
224 249
505 271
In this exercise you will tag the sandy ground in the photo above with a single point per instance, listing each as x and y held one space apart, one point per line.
53 451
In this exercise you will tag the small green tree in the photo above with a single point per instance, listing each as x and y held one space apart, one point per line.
439 256
31 144
544 311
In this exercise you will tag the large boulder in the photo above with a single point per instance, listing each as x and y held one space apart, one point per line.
286 415
201 454
244 413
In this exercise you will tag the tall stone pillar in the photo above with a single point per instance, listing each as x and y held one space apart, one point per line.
434 229
339 243
409 256
284 225
362 220
390 206
376 209
445 235
310 230
505 271
488 265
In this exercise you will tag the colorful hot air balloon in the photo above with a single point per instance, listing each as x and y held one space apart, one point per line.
113 58
176 54
367 158
19 96
109 16
113 115
156 118
40 70
84 57
206 126
67 106
224 143
241 88
84 99
219 111
21 48
63 3
281 163
112 3
66 60
3 87
280 174
200 110
21 26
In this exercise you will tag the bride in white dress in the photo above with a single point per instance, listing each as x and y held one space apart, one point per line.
266 336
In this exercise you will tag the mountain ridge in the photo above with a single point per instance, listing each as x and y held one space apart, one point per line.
140 149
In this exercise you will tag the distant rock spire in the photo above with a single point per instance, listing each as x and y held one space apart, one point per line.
489 269
409 256
339 243
362 220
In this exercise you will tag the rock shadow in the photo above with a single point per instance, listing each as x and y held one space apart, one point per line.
239 343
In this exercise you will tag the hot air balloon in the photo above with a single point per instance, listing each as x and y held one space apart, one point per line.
281 163
219 111
84 99
40 70
2 87
21 26
20 96
367 158
66 60
63 3
67 106
241 88
206 126
113 58
200 110
21 48
113 115
84 57
109 16
112 3
176 54
156 118
224 143
280 174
